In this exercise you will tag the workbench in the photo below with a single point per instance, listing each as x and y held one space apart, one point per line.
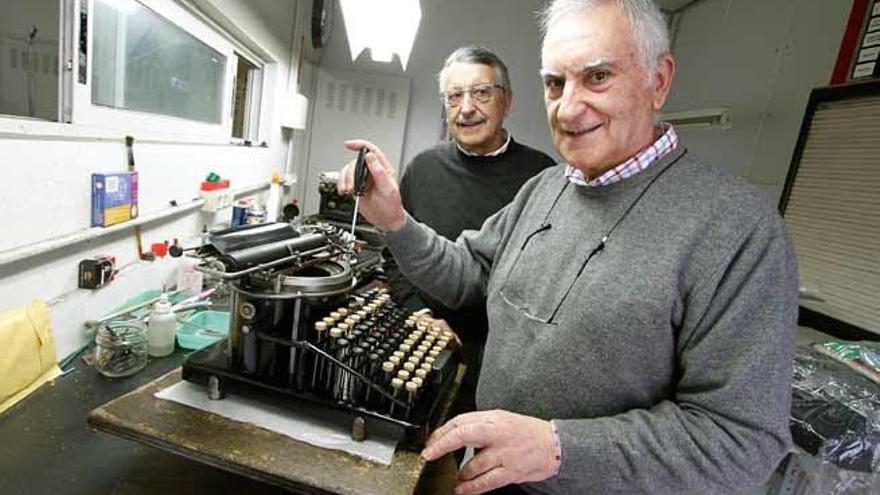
48 447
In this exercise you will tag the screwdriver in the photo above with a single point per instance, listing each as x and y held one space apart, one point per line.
361 175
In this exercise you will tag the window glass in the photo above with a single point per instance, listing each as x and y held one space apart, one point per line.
143 62
29 58
241 98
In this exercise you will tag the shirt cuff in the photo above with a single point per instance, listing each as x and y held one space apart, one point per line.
557 460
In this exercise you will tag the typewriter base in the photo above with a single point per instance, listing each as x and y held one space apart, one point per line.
212 361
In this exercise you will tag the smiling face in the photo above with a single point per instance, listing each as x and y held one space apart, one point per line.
476 126
600 103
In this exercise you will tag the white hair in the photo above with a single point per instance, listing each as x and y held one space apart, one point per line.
649 28
472 54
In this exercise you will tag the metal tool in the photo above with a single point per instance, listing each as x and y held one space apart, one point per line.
361 176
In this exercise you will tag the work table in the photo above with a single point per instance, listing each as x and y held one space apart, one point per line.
48 446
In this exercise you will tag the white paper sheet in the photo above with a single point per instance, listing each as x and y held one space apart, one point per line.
279 420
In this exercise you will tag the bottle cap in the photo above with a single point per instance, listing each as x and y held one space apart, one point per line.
162 305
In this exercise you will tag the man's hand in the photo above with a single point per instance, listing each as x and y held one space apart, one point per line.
514 449
381 204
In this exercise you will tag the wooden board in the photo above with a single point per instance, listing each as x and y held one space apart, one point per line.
261 454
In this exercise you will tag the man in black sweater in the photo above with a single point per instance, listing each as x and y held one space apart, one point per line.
456 185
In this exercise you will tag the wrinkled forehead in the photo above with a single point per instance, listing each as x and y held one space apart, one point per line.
593 34
464 75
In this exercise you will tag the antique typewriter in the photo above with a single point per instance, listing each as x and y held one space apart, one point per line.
315 330
332 205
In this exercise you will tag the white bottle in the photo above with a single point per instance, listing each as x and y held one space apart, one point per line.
273 199
162 328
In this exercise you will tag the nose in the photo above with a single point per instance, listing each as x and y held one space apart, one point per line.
468 104
570 104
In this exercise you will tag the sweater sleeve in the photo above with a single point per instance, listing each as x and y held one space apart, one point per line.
402 290
725 425
453 273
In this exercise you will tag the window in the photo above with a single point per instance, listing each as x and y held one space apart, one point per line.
831 205
144 63
29 61
157 67
246 100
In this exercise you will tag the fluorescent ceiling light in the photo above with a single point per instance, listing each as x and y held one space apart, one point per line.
385 27
702 118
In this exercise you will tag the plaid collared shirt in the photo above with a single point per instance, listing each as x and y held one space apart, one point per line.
661 147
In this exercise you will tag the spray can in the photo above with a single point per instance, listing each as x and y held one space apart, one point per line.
239 212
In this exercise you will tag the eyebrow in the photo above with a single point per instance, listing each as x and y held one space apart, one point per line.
595 64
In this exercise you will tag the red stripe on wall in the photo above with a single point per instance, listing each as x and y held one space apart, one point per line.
850 40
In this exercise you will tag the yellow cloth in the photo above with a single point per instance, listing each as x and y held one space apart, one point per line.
27 352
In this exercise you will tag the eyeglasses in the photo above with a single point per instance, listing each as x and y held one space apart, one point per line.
481 93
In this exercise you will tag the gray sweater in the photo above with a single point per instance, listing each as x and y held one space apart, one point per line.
664 361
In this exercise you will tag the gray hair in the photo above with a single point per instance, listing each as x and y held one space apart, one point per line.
476 55
649 28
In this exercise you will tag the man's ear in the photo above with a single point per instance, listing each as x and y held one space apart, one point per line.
663 77
508 101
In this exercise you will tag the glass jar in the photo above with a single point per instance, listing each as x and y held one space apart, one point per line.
121 348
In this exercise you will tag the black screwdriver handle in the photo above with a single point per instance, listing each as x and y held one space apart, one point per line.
361 172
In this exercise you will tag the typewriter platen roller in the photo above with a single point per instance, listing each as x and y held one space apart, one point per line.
312 332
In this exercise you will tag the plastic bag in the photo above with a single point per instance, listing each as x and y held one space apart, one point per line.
835 413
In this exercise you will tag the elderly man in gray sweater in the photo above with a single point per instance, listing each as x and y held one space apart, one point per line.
641 302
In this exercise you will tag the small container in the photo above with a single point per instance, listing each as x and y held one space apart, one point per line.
121 348
255 214
239 212
163 328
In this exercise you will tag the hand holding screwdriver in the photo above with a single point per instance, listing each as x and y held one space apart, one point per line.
361 176
380 204
361 172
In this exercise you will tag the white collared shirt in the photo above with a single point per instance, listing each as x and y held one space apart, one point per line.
497 152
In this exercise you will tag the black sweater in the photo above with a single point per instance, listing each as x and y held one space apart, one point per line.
451 192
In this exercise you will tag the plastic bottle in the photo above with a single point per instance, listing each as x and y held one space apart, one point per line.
162 328
273 199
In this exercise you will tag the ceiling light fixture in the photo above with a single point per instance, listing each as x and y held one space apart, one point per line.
385 27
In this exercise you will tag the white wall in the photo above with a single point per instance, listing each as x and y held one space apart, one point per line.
507 27
45 191
761 58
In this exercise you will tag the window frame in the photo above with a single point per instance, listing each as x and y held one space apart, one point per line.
87 113
253 108
79 117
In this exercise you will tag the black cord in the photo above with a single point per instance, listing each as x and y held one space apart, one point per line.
600 246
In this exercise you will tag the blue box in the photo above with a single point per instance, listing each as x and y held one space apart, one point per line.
114 198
